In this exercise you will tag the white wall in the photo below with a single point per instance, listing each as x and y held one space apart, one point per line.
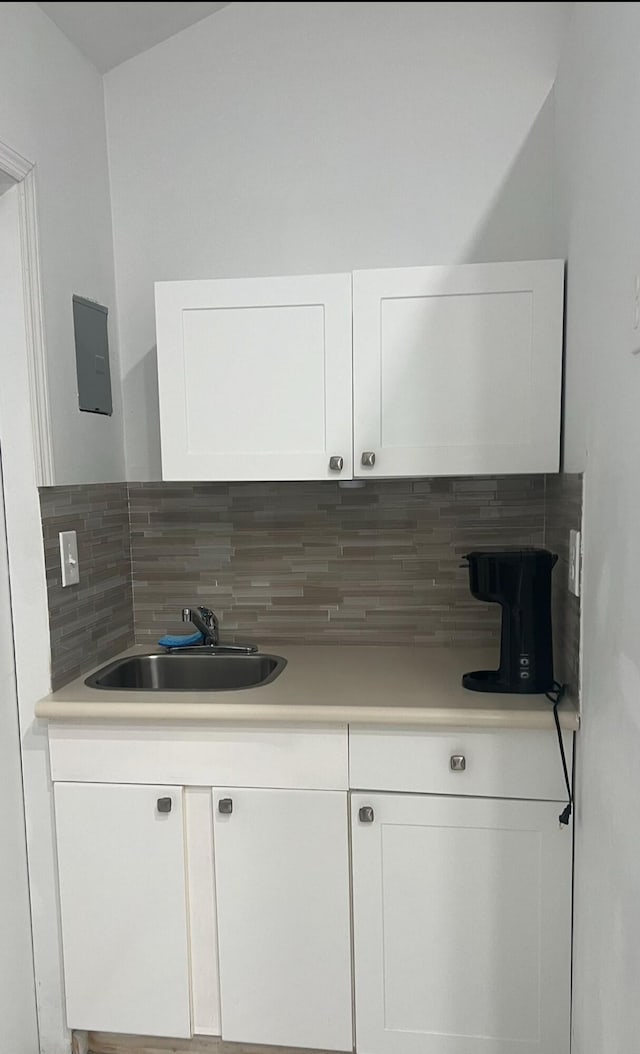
52 112
598 222
300 137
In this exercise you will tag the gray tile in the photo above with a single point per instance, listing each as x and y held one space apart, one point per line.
308 561
92 621
564 512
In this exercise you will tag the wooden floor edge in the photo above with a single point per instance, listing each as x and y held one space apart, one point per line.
107 1043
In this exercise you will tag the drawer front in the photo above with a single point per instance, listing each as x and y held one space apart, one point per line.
200 756
496 764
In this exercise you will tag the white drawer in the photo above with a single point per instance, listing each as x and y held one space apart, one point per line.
204 755
497 764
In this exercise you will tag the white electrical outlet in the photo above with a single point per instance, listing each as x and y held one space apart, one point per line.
69 558
575 562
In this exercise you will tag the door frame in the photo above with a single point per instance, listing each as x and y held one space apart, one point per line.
28 464
22 171
24 1026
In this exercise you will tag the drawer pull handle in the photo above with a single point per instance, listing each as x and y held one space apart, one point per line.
164 804
225 806
458 763
365 814
368 458
336 463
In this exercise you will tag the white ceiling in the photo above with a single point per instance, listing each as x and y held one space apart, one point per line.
110 33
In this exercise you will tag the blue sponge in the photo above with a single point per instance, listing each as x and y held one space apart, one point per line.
178 641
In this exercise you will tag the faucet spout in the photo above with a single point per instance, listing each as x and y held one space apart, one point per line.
204 620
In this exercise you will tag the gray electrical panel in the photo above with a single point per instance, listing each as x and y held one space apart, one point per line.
92 356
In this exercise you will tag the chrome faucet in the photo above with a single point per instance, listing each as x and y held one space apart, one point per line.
206 621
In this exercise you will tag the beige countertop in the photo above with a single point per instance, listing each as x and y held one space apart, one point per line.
328 684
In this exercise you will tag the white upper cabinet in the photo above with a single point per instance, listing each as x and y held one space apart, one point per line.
457 370
255 378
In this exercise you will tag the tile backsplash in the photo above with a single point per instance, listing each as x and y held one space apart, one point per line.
312 562
298 562
92 621
563 513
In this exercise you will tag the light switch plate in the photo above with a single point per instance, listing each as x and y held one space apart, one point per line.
575 562
69 558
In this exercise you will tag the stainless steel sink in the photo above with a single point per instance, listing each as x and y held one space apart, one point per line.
208 672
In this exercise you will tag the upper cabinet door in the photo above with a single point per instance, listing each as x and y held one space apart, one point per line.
457 370
255 378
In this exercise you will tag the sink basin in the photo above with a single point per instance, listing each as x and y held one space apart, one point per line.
188 673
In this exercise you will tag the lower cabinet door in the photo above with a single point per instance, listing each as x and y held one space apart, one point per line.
462 922
121 864
282 889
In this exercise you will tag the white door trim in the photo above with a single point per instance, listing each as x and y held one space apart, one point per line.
23 172
19 998
23 472
13 164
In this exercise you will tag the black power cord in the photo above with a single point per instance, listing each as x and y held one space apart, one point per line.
555 696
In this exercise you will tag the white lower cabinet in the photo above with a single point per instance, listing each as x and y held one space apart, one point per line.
192 910
121 864
462 925
284 933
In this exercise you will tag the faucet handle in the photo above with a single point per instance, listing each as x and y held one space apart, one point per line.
206 614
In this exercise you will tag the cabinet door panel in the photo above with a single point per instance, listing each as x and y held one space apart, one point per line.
255 377
457 370
462 926
282 886
121 864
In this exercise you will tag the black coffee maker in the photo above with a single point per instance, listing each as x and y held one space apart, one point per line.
520 581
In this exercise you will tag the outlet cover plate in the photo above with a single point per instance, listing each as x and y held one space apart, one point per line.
69 558
575 562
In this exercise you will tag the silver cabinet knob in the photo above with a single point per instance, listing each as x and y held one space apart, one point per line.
336 463
458 763
365 814
368 458
164 804
225 806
